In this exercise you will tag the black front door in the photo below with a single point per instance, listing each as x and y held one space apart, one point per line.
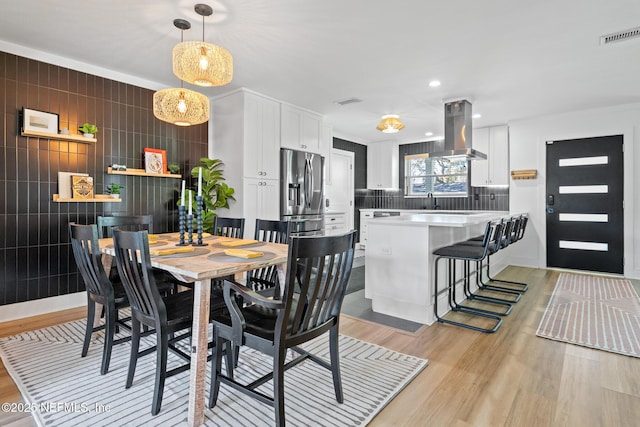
585 204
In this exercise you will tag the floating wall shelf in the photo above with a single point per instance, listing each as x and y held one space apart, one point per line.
141 172
74 138
524 174
104 199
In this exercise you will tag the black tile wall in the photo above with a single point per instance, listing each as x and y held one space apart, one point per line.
35 255
480 198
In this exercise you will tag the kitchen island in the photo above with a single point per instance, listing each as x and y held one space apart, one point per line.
399 262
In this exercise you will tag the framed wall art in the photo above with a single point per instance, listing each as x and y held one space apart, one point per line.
39 121
155 161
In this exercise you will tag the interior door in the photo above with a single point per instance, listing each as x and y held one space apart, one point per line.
340 193
585 228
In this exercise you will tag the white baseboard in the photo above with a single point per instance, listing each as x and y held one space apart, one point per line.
21 310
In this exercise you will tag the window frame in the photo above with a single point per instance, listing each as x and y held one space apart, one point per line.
408 177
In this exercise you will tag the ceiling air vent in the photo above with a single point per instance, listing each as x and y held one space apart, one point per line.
348 101
620 36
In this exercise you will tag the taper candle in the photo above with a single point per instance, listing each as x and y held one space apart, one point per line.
183 185
190 212
200 181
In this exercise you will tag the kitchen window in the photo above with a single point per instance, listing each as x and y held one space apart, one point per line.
440 177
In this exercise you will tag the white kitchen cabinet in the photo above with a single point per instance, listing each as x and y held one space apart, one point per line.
261 199
494 142
245 127
326 147
300 129
335 223
246 135
364 221
382 165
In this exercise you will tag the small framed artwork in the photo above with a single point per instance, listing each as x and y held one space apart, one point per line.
39 121
155 161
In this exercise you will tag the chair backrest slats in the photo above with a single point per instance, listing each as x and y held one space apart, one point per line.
317 275
84 243
124 222
228 227
135 270
274 232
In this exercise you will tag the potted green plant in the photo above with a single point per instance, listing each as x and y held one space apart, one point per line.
215 192
114 190
88 130
174 168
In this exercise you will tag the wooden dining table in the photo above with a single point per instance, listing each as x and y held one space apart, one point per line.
199 267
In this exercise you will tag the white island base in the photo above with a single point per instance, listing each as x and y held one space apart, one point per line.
399 265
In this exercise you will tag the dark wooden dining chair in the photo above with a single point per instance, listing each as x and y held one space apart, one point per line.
100 290
228 227
171 316
166 282
317 274
265 280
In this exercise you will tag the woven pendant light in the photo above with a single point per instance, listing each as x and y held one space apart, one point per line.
201 63
390 124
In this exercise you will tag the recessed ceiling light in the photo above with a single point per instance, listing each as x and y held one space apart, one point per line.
476 116
428 134
434 83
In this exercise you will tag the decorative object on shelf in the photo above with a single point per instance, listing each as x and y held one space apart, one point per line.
201 63
390 124
174 168
180 106
155 161
524 174
39 121
64 183
64 131
88 130
214 191
114 190
82 187
121 168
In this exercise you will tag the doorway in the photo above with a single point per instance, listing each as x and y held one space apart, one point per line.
584 204
341 192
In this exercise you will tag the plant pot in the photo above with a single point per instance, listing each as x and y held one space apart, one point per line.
114 196
87 135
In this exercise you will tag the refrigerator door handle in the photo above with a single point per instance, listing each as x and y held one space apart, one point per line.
308 182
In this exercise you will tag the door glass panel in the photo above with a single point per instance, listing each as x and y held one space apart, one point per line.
583 217
584 161
583 189
587 246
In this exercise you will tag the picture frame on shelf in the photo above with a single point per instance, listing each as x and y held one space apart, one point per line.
155 161
39 121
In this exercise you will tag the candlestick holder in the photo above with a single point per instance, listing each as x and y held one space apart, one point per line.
181 225
190 229
199 207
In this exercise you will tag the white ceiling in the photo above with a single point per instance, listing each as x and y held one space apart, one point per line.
511 59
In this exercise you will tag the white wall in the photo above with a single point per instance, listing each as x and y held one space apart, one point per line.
528 151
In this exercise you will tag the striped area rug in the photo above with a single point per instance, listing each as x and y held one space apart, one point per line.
591 311
67 390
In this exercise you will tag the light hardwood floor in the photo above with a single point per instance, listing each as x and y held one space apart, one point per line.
510 378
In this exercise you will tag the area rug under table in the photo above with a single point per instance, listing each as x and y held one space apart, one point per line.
593 311
63 389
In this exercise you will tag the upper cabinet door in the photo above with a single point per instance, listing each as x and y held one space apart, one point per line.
494 142
300 129
262 137
382 165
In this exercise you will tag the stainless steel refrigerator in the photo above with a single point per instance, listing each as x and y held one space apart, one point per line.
302 191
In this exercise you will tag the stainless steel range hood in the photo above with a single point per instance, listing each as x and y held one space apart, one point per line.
457 132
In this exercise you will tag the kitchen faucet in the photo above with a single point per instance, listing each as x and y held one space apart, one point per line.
434 202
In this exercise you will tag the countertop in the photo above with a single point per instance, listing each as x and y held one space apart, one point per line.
441 218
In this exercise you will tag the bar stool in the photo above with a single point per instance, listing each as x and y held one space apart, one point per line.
466 253
516 235
502 242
